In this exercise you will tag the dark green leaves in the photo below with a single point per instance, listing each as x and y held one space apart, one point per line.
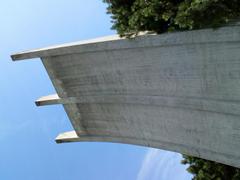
131 16
209 170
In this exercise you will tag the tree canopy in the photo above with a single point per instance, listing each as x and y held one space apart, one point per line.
132 16
209 170
129 17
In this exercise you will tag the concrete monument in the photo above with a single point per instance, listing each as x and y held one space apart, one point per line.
176 91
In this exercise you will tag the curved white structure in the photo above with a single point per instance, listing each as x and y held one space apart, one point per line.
177 91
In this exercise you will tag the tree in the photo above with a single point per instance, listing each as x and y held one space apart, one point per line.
209 170
129 17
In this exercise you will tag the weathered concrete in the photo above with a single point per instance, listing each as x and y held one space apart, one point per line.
176 91
48 100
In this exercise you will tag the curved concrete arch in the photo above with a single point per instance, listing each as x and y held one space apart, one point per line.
71 136
176 91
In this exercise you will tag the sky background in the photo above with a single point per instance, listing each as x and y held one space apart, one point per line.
27 132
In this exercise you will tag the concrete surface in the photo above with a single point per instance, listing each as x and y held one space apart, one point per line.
177 91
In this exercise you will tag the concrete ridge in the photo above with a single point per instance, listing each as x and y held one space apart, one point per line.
71 136
108 42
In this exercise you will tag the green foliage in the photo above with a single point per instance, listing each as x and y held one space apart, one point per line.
209 170
129 17
132 16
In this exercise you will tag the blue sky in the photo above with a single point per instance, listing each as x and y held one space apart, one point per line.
27 133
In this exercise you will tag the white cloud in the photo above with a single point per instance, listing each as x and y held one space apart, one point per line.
162 165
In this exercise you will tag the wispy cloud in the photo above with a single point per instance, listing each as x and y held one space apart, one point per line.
162 165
